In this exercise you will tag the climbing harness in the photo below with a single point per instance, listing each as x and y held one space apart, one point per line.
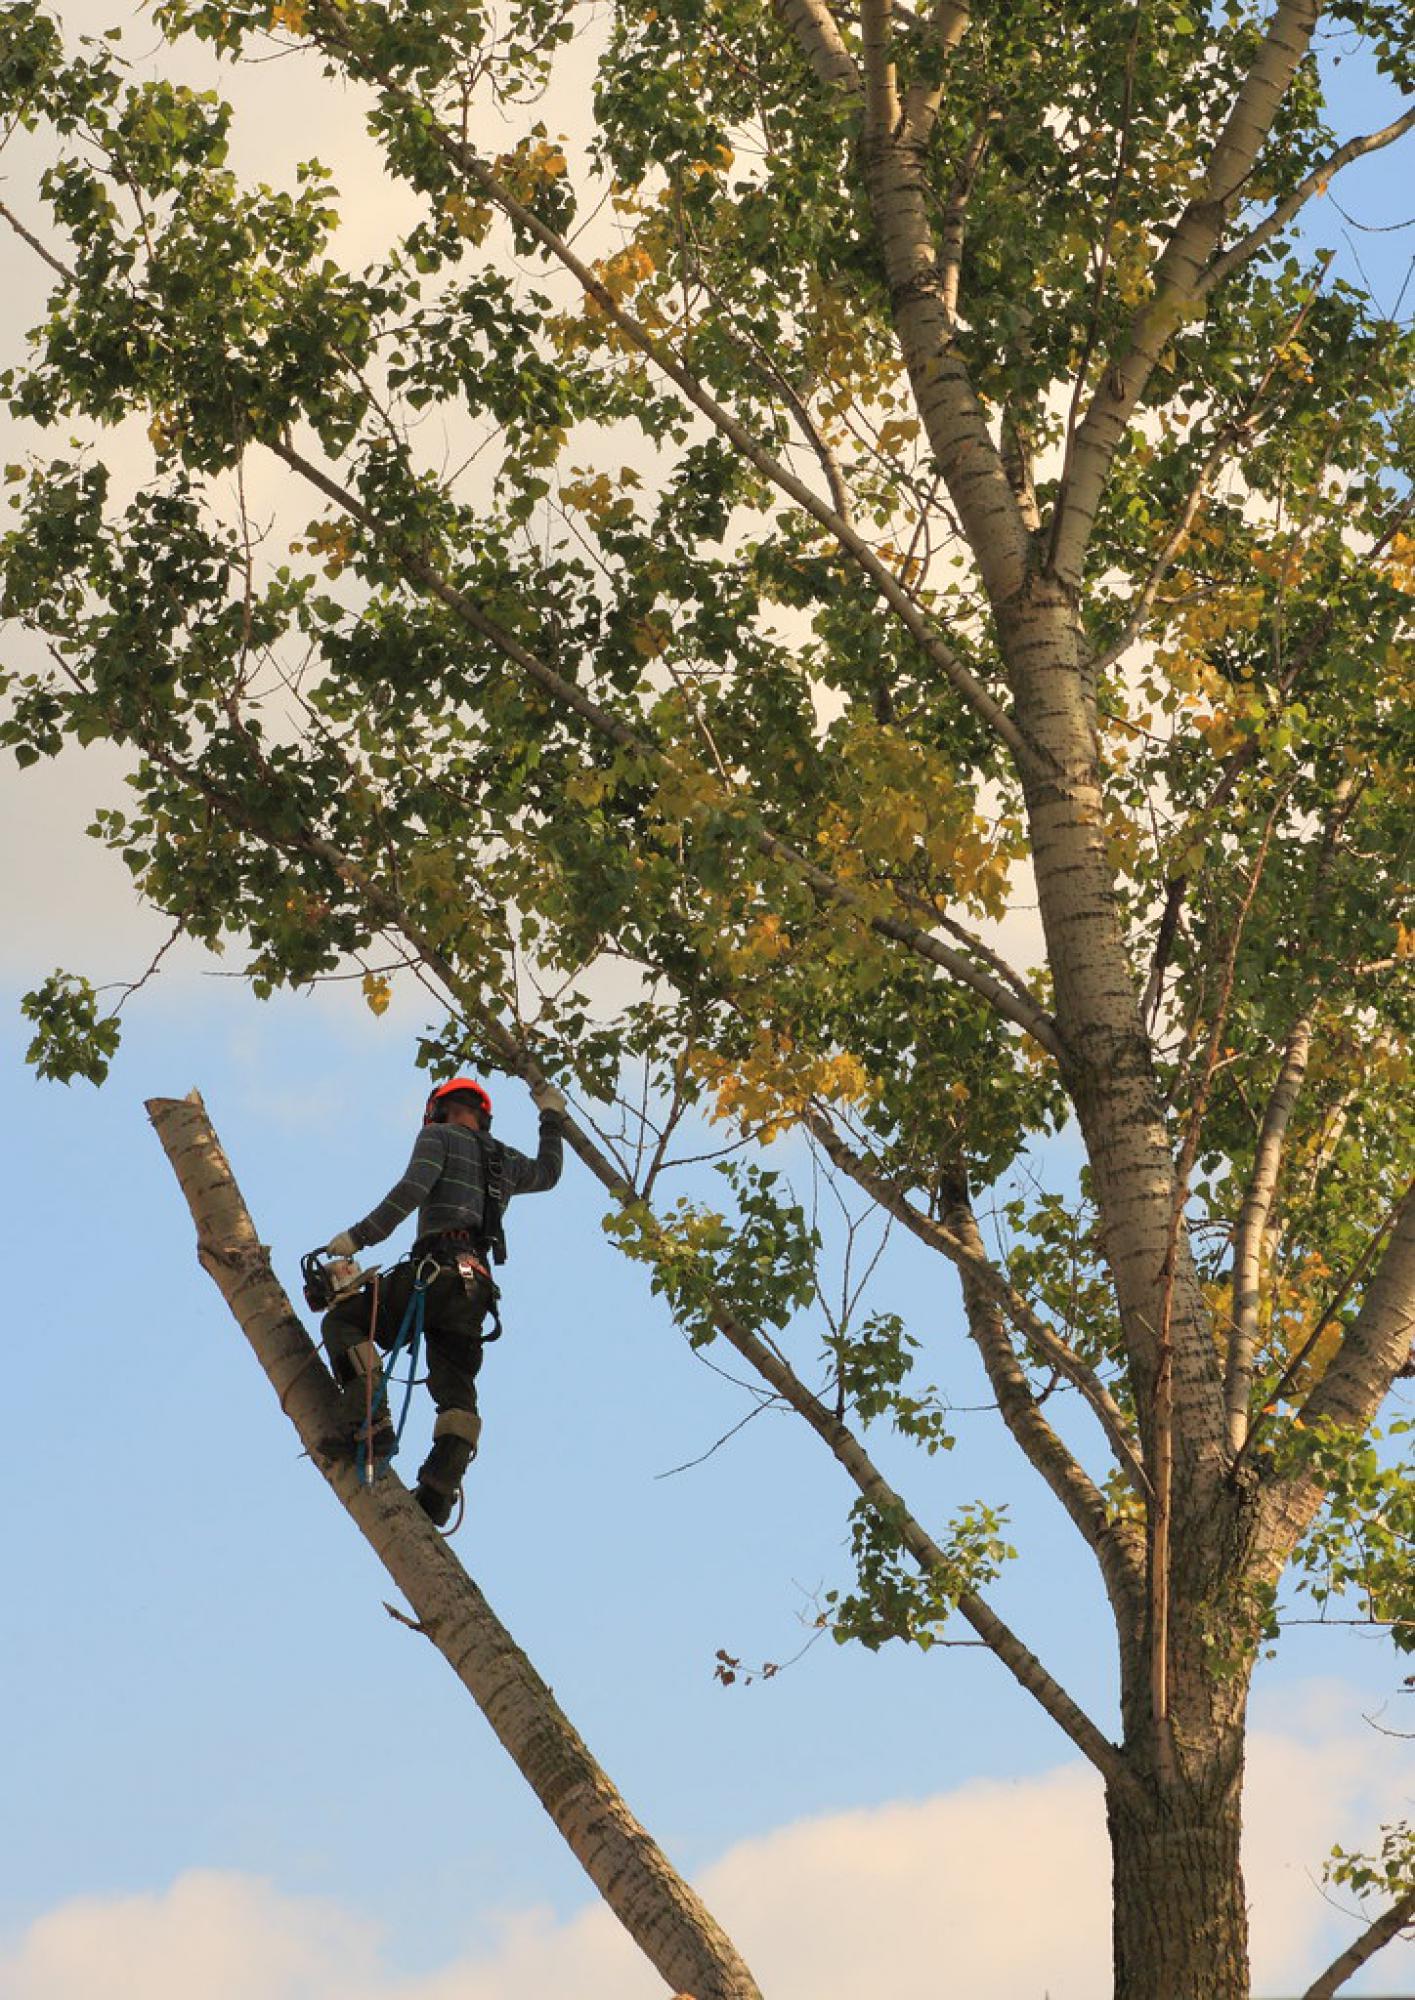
493 1174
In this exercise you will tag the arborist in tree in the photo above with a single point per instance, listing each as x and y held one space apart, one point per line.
460 1180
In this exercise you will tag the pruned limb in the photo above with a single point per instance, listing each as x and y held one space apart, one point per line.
1380 1931
656 1906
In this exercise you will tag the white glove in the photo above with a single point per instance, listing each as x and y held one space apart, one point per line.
548 1098
342 1245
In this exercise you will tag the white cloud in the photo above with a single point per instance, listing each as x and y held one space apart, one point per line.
220 1936
997 1890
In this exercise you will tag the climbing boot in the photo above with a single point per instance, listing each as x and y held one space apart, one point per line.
454 1444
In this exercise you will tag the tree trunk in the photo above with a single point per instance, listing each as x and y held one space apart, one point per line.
1180 1918
659 1910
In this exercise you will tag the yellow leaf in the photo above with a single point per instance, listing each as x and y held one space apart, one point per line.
377 992
289 14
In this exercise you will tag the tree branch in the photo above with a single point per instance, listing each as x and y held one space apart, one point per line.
1020 1661
1378 1342
948 22
953 230
1380 1931
1238 431
970 1258
1034 1436
1251 1230
1315 183
1252 1226
820 41
26 236
919 293
1375 1349
882 109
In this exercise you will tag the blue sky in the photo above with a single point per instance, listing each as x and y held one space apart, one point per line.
201 1676
228 1767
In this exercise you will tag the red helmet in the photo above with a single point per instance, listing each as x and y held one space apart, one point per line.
460 1086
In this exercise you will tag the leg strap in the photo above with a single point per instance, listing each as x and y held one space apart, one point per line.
364 1359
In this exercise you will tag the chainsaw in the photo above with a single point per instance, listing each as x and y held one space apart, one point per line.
328 1279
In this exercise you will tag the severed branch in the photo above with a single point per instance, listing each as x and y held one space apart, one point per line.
655 1905
1380 1931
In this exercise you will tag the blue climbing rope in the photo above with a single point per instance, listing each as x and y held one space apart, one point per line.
408 1339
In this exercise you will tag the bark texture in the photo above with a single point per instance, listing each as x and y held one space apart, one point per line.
1181 1920
656 1906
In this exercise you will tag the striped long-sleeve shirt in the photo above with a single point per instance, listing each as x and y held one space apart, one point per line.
446 1180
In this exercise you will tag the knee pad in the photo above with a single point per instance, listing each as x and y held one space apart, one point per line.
463 1424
